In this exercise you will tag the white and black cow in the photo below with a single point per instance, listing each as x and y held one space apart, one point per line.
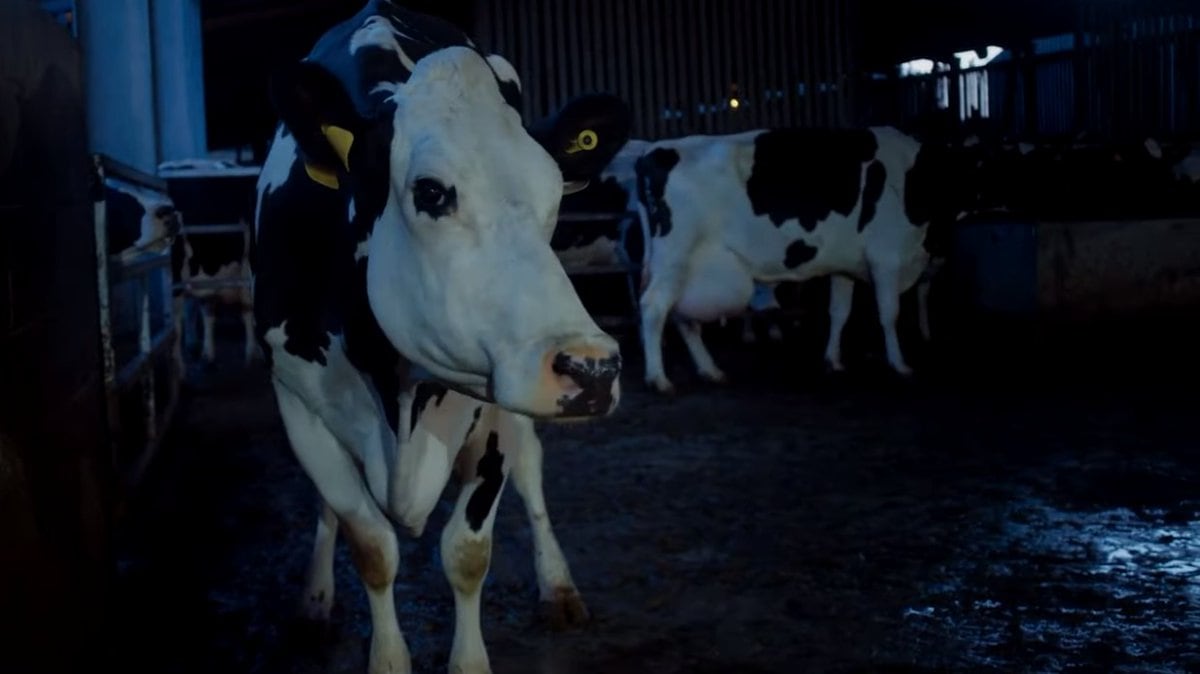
612 243
767 206
213 192
403 235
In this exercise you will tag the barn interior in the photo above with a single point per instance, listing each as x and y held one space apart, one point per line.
1029 500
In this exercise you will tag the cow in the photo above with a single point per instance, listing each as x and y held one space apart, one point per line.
213 268
789 204
584 244
402 239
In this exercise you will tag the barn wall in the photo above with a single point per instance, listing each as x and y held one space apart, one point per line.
1128 70
54 486
679 64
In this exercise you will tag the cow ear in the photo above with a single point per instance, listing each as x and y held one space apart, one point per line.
585 135
317 111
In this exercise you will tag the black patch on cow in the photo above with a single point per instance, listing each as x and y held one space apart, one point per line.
123 216
426 391
798 252
806 174
511 93
872 191
491 470
474 423
652 170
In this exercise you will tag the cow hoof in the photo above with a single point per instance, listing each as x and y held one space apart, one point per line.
834 367
661 386
716 377
565 610
903 371
775 334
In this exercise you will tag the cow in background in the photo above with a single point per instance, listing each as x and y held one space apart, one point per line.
726 212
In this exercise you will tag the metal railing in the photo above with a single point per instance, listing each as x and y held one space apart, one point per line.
122 378
625 267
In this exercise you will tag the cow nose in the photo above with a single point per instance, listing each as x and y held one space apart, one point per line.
589 378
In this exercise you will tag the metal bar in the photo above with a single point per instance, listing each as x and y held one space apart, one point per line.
131 372
808 59
193 230
213 284
108 353
594 216
123 270
622 44
145 346
787 54
126 173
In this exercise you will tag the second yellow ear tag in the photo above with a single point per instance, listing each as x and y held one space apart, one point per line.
586 140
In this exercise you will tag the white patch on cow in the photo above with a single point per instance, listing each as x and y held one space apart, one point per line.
599 253
1153 148
505 71
363 249
277 167
389 88
378 31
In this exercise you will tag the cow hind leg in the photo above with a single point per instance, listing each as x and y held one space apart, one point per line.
251 348
692 334
209 352
317 602
178 307
841 299
887 299
923 309
466 549
655 306
373 544
561 604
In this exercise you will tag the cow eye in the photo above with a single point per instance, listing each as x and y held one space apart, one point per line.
432 197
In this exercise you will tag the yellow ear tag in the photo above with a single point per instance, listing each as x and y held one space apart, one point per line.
340 140
586 140
320 175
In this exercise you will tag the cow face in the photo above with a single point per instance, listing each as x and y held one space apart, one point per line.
455 203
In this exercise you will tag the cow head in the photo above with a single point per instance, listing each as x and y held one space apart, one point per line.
454 203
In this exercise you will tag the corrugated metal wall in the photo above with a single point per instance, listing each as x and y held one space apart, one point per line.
680 64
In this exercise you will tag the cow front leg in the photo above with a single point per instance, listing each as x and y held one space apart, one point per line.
317 603
251 348
692 334
466 548
373 544
561 604
887 299
841 299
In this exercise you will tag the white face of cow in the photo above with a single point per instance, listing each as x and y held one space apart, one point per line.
460 274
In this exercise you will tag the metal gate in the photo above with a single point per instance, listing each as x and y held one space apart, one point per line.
137 329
